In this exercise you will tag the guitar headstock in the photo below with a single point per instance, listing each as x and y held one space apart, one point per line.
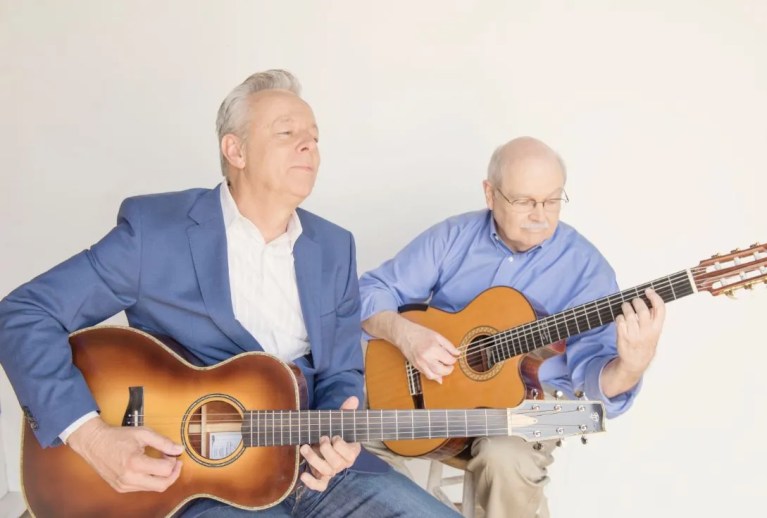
725 273
539 420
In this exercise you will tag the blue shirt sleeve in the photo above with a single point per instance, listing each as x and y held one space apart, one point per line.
588 353
409 277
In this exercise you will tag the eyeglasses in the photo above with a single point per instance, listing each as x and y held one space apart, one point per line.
524 205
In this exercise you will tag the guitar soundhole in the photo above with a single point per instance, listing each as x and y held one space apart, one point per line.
214 432
477 354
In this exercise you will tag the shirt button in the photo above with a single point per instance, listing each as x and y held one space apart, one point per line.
511 259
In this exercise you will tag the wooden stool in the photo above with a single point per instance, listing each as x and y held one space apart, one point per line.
436 482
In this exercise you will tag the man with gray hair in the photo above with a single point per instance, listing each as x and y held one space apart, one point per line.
517 242
222 271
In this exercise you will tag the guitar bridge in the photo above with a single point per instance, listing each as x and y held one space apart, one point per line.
413 380
134 413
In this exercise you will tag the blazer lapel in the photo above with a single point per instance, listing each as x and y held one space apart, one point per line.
307 258
207 241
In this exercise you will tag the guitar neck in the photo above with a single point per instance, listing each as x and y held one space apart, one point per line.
574 321
294 427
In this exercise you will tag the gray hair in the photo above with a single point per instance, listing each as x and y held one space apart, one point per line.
495 167
233 113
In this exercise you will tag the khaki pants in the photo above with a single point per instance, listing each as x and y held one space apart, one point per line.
510 474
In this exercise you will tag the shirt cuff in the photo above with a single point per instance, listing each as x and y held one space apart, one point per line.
374 303
593 389
77 424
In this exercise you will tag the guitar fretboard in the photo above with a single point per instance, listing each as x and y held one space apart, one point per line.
574 321
293 427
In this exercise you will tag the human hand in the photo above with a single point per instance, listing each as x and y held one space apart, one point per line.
430 352
329 457
118 455
638 329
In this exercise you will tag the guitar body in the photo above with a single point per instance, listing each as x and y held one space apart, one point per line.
59 483
471 384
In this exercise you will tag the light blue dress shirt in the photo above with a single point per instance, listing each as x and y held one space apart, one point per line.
451 263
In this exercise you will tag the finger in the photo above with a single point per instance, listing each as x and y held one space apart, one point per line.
315 461
447 345
440 369
351 403
159 442
632 321
332 457
146 482
620 325
444 356
347 451
429 374
658 306
146 465
314 483
641 310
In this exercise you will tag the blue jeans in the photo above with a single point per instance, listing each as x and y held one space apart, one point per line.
350 493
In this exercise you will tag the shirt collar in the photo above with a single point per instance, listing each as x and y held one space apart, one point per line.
232 217
496 238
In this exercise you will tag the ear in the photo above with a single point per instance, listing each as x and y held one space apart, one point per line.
489 198
233 150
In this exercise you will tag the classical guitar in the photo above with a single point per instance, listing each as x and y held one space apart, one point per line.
503 344
240 423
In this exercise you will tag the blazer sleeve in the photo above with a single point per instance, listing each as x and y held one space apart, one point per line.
37 318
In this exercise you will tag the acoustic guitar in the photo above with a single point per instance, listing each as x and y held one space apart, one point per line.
503 343
241 425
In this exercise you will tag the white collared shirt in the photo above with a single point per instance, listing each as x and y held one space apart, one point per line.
262 281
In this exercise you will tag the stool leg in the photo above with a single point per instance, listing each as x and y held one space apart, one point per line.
468 495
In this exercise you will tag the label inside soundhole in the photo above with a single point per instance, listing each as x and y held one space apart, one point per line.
214 431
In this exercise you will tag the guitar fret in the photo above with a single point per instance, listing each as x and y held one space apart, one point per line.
465 423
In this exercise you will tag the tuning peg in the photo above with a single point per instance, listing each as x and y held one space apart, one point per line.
735 250
749 286
730 294
560 443
715 255
584 439
537 446
754 245
558 394
580 394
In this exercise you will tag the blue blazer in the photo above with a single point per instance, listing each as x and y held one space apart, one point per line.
165 264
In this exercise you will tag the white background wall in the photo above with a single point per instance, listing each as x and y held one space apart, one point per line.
658 107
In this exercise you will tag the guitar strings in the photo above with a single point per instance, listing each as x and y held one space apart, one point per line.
530 331
419 418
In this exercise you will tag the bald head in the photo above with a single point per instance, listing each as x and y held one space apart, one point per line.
523 153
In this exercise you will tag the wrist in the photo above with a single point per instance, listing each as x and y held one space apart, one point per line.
85 433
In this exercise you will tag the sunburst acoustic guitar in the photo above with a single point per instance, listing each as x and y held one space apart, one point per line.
241 423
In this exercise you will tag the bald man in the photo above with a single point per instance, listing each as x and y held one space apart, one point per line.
518 241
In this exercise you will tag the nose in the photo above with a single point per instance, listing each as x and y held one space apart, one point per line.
538 213
307 143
